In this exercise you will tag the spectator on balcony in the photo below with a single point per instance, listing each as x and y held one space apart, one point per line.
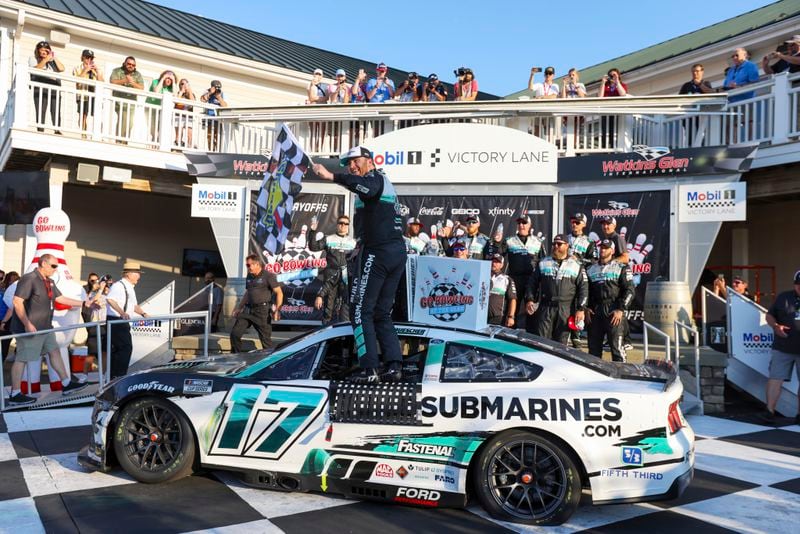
317 89
381 87
573 88
341 91
410 90
46 97
612 85
697 85
359 89
185 117
126 76
434 91
215 97
787 55
85 97
466 88
742 72
165 83
548 88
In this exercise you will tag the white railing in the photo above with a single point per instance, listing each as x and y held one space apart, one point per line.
678 328
109 113
646 329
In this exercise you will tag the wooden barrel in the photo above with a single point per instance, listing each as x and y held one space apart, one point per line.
667 302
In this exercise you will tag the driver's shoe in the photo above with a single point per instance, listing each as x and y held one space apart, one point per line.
366 376
393 373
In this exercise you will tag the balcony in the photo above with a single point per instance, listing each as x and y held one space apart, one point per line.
147 129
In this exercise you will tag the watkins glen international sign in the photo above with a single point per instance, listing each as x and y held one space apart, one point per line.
464 152
712 202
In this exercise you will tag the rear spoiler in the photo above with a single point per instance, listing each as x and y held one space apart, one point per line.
651 370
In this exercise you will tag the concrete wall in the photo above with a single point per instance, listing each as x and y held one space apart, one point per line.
112 227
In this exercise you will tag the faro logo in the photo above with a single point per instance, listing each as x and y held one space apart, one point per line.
412 157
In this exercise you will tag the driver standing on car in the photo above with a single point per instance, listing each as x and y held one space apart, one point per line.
611 291
259 287
558 284
381 263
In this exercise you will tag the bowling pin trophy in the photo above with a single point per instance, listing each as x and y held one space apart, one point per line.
51 227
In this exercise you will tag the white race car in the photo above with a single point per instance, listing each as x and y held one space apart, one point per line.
521 423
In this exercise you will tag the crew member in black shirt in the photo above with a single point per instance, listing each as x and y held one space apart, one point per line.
382 259
259 287
784 319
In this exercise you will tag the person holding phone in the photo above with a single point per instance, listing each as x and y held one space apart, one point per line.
381 87
548 88
185 121
46 97
84 100
215 97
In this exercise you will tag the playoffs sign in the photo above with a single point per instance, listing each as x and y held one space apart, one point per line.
643 219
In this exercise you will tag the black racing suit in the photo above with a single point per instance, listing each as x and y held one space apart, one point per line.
476 245
522 254
610 289
585 249
334 290
559 286
379 266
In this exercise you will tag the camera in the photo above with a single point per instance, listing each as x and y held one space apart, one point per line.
106 278
536 69
460 71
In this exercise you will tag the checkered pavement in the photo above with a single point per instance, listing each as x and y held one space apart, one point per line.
747 479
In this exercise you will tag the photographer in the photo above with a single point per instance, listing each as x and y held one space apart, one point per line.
185 120
84 100
434 91
573 88
340 92
43 97
547 89
381 87
466 88
317 89
410 90
214 96
612 85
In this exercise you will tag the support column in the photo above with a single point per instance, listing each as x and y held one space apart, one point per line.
59 175
740 249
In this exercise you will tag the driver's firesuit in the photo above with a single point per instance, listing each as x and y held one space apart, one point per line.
610 288
522 253
334 290
558 286
378 267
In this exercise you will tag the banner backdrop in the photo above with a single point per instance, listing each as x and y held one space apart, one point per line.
298 269
643 218
491 210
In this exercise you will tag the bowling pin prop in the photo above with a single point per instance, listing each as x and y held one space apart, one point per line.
635 252
465 281
301 241
594 237
51 226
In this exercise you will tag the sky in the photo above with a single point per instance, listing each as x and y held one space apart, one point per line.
500 40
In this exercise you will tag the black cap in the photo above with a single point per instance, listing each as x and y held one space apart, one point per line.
498 257
413 220
87 53
355 152
608 218
607 243
579 217
433 77
216 83
560 239
797 277
42 44
524 218
472 217
459 245
549 70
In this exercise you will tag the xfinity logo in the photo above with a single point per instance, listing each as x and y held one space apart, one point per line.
618 205
494 212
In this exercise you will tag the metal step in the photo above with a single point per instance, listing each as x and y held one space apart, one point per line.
753 382
54 399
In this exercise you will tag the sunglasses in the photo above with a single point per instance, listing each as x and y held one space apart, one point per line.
343 223
251 264
559 244
472 222
94 280
737 282
54 266
523 222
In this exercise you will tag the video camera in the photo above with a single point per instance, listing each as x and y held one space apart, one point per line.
461 71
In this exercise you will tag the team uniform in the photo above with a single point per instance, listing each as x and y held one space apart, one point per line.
334 290
558 286
502 291
421 244
476 245
259 289
583 248
522 254
610 288
379 267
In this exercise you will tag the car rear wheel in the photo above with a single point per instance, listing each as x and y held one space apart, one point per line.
154 442
526 478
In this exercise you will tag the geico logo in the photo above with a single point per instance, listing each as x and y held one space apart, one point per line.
389 158
602 431
465 211
416 493
320 207
502 408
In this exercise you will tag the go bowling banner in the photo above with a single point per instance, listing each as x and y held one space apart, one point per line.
450 292
298 269
643 219
492 210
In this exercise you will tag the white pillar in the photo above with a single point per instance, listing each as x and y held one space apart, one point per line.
59 175
740 249
782 108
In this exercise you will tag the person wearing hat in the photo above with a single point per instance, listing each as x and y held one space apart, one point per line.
318 92
410 90
611 292
340 92
608 230
580 245
502 295
522 252
559 286
470 234
83 100
784 319
433 90
738 284
44 59
417 241
215 97
787 56
121 303
335 288
381 87
379 266
460 251
548 88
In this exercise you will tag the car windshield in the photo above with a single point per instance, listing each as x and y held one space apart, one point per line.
251 358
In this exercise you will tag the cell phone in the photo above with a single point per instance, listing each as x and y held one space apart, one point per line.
720 277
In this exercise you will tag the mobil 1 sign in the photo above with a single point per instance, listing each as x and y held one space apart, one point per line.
217 201
712 202
464 152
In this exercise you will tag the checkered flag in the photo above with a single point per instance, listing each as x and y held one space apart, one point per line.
282 182
651 152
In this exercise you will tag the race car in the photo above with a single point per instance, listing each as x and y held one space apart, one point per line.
521 423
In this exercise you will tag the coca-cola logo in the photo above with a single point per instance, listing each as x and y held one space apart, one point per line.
436 210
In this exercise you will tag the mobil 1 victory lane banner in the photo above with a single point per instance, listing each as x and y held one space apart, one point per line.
298 269
643 219
492 211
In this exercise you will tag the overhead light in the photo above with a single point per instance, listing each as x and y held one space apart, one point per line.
88 173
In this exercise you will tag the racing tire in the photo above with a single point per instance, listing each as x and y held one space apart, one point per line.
154 441
525 478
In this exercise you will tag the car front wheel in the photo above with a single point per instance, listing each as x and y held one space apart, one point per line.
526 478
154 441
